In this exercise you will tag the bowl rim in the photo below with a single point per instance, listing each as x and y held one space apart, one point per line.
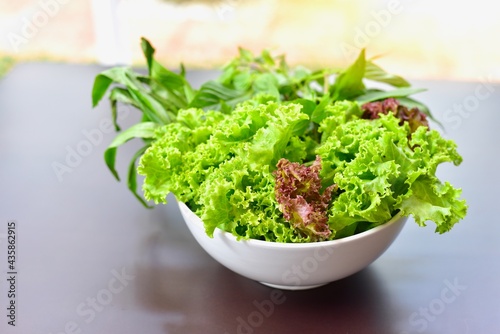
399 217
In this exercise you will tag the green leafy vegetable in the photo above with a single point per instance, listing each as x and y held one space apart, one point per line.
159 96
376 73
214 162
282 154
349 84
381 171
141 130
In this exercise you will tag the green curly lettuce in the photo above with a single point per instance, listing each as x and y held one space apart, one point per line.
381 167
221 165
227 168
173 165
218 148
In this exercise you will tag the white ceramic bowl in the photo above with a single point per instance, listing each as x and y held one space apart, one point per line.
295 266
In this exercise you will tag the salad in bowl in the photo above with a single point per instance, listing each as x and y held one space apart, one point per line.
271 153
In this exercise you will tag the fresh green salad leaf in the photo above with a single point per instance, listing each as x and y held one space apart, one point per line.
377 95
270 152
213 94
349 84
140 130
381 167
376 73
215 162
228 175
159 96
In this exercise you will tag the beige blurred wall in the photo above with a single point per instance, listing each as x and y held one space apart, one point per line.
419 39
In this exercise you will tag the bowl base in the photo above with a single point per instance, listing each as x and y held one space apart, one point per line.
292 287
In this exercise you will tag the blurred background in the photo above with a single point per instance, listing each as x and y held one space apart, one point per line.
418 39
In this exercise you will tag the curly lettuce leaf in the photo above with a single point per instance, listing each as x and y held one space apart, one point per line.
240 200
380 169
221 166
303 204
262 134
413 116
171 164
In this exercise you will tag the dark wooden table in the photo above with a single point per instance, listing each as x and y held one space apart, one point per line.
91 259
